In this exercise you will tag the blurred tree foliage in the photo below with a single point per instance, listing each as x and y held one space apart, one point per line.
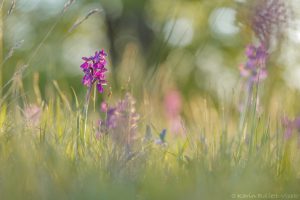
197 44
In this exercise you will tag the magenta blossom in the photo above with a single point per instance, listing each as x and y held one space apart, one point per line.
255 67
121 121
94 70
290 126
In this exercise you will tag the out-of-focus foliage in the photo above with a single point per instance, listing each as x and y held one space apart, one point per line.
196 45
186 126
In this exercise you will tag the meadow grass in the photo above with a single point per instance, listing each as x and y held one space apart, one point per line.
49 159
54 148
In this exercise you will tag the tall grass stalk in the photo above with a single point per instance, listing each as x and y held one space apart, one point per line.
245 108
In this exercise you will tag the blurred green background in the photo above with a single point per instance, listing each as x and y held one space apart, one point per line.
193 45
192 48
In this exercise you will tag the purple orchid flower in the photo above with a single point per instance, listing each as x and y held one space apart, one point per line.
268 19
255 67
94 70
121 121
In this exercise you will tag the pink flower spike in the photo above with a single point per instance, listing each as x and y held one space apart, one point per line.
255 67
94 70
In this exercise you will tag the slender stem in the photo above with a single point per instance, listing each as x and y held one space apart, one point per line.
245 107
244 113
85 112
254 111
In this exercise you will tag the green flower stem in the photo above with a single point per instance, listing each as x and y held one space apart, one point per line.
85 112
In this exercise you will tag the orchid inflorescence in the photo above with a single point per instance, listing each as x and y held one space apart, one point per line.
255 68
121 120
94 70
268 19
267 22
